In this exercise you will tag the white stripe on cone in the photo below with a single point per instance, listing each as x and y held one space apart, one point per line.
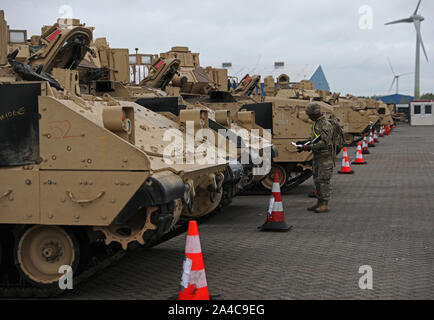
193 245
345 154
278 207
276 187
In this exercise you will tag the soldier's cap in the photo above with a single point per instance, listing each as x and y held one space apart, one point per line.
313 109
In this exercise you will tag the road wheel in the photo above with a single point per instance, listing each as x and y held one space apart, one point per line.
41 250
267 182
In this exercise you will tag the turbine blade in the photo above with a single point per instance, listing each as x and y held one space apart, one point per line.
406 20
390 64
404 74
419 35
417 8
423 47
391 86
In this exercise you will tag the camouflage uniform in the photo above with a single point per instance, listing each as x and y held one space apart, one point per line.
322 158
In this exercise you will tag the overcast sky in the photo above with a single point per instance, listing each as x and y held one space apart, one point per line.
322 32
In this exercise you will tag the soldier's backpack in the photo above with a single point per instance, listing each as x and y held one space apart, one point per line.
338 139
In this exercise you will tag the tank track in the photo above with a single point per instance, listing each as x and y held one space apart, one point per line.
112 254
258 189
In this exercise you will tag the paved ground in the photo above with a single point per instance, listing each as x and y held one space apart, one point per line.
383 216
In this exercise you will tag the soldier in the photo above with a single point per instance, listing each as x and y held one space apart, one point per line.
322 156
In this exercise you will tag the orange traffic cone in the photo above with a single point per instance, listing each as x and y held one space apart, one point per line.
313 194
345 169
365 148
276 216
359 157
193 281
382 131
371 143
376 140
387 130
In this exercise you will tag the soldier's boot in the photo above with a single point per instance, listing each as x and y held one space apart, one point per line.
323 207
313 208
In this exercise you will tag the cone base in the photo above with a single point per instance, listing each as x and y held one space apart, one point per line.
366 152
371 145
311 195
359 163
276 226
346 172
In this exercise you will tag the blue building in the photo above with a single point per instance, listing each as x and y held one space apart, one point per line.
396 99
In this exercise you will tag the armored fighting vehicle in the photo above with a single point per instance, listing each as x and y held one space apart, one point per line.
152 93
385 112
357 117
210 92
83 176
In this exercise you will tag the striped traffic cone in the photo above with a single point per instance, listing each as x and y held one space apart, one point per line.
345 169
313 194
193 281
376 140
276 216
382 132
359 157
371 143
365 148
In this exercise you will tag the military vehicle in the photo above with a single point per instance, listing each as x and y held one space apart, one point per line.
210 92
81 180
356 116
385 112
152 93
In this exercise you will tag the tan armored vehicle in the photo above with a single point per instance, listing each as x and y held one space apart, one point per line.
385 112
154 94
192 78
356 115
221 105
83 177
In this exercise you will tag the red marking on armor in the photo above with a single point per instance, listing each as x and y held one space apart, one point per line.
53 35
246 79
60 129
159 64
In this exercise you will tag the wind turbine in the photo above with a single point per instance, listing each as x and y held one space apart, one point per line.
416 19
396 77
